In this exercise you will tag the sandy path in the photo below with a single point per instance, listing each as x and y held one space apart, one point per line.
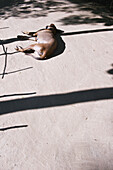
57 114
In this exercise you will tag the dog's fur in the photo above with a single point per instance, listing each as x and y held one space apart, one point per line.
45 45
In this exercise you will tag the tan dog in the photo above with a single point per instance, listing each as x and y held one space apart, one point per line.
45 45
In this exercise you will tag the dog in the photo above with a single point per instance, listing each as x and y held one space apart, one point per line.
46 42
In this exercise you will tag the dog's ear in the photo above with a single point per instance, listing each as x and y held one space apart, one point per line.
56 30
52 25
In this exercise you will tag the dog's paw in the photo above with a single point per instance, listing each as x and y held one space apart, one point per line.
19 48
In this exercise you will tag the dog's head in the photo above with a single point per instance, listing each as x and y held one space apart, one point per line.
53 28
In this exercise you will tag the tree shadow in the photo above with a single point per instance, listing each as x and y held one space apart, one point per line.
25 9
101 13
81 19
40 8
55 100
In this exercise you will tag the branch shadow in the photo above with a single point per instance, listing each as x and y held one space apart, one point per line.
5 65
55 100
8 41
110 71
11 40
13 127
5 53
3 28
87 31
16 71
9 53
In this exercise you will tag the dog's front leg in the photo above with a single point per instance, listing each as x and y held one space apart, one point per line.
29 33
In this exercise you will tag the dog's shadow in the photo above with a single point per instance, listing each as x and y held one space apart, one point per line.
60 47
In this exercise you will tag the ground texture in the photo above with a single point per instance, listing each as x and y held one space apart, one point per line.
57 114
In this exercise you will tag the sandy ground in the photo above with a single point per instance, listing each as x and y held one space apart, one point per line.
56 114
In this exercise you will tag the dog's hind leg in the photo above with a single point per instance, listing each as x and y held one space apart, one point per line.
25 50
37 51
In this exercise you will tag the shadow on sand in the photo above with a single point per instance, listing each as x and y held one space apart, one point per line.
87 31
16 71
11 40
41 8
110 71
55 100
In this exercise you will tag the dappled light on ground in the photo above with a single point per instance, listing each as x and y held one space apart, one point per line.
41 8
